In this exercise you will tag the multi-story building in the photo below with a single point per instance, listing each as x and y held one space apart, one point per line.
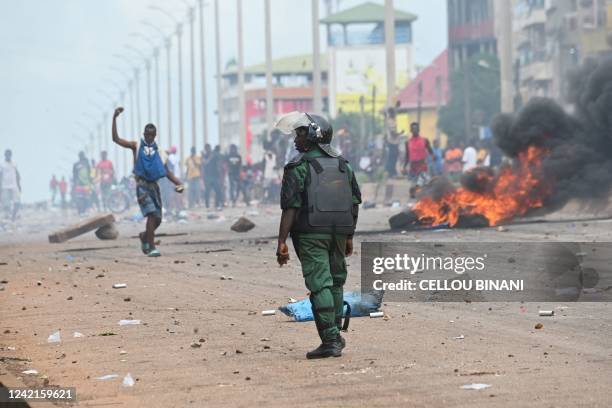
471 30
356 55
293 90
551 38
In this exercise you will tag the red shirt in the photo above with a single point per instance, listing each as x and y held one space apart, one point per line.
106 171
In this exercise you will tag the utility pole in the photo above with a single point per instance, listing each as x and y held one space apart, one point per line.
192 66
203 74
156 59
179 33
169 88
137 85
390 51
219 73
503 23
241 98
316 59
269 85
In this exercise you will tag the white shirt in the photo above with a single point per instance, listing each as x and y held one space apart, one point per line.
8 175
269 172
470 158
173 164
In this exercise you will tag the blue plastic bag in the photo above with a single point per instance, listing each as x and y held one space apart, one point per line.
361 305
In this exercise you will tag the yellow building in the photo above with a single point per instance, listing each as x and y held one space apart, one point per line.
356 56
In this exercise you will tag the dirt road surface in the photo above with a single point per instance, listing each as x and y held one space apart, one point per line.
203 341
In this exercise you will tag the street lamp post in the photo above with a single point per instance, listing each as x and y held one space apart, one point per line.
220 109
147 62
241 98
168 45
191 16
203 74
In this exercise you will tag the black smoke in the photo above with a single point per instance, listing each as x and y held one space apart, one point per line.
579 144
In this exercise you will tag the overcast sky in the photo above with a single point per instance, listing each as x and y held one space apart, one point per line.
57 59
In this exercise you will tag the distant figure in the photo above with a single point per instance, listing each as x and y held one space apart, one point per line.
82 184
437 160
53 184
417 151
10 186
212 178
148 170
270 175
63 190
470 157
234 164
192 163
173 200
106 177
453 161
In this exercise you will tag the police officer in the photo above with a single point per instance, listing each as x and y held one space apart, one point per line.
320 200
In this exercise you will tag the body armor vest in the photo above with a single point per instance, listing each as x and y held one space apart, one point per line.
327 198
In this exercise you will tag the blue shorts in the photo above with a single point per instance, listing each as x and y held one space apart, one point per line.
149 198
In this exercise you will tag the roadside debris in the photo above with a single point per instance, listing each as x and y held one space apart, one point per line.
107 377
128 381
81 228
129 322
105 334
475 386
107 232
54 338
460 337
268 312
242 225
547 313
539 326
77 334
119 285
375 315
30 372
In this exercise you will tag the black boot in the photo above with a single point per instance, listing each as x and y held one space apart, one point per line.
327 349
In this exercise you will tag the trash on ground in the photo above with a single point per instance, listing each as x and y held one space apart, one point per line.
460 337
268 312
107 334
77 334
539 326
128 322
361 305
128 381
107 377
119 285
547 313
29 372
375 315
81 228
54 338
475 386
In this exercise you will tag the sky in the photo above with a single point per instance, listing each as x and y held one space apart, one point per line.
58 75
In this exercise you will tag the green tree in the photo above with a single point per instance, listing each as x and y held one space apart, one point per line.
482 77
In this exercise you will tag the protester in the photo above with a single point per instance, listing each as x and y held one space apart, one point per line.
483 157
10 186
437 159
53 184
453 161
82 184
213 172
106 177
63 190
95 201
270 176
470 157
417 151
172 199
234 164
148 169
193 163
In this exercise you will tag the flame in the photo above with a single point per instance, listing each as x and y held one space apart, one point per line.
513 192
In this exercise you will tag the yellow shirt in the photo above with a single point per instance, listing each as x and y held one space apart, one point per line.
193 166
